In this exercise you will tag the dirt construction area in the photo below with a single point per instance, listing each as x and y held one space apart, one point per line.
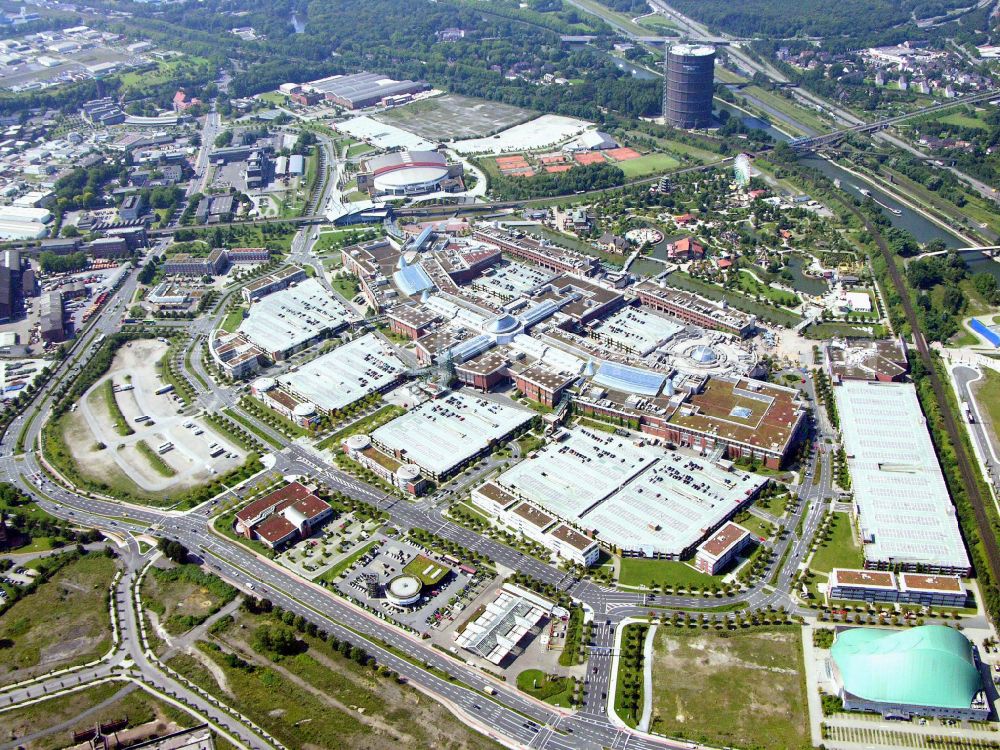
182 446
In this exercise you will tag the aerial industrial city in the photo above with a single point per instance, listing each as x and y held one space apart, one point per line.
468 374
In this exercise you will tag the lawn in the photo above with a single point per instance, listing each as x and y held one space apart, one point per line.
824 331
735 299
356 149
549 688
988 397
745 690
789 108
370 423
841 550
65 622
613 17
121 424
658 23
333 573
155 460
428 571
233 319
184 596
345 286
963 120
748 283
640 571
649 164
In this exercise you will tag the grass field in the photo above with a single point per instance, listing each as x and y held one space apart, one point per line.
549 688
336 570
963 120
789 108
184 596
639 571
233 319
136 704
65 622
613 17
649 164
745 690
155 460
841 551
111 403
322 699
658 23
426 570
356 149
988 397
370 423
842 330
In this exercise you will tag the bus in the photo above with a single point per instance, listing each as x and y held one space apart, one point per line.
142 418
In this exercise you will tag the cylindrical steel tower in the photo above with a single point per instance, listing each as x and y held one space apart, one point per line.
689 79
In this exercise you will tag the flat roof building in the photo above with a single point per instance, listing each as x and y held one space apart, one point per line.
904 588
348 373
906 517
359 90
716 552
498 631
694 309
290 319
443 435
638 499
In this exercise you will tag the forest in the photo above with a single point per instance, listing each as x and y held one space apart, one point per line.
774 18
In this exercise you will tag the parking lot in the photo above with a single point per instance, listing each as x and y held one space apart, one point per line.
389 560
336 541
186 445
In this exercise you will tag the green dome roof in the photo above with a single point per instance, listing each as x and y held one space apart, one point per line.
930 665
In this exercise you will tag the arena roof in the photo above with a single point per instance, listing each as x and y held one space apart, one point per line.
905 512
346 374
286 319
930 665
439 435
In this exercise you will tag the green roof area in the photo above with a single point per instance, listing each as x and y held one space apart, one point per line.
930 665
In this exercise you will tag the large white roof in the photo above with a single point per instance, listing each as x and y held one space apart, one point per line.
905 512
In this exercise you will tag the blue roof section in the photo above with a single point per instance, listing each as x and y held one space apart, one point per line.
629 379
412 280
979 327
470 348
423 237
539 312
